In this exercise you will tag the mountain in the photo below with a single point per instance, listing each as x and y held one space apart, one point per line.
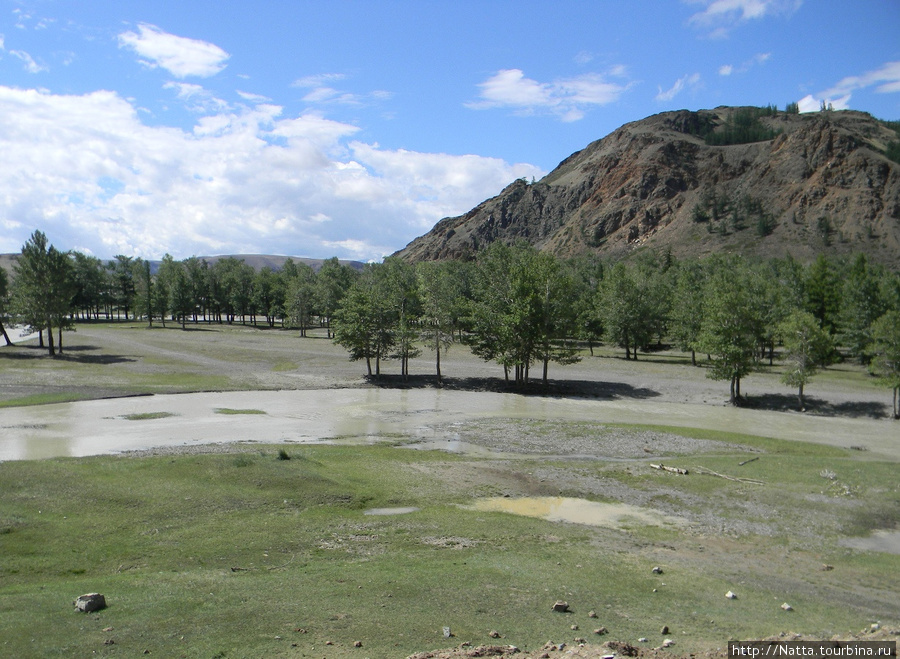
750 180
256 261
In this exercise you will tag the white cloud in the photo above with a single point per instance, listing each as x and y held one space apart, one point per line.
680 85
567 98
253 98
30 65
196 97
2 47
758 59
179 56
720 16
322 92
85 170
885 79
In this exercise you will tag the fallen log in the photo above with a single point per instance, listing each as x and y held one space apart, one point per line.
674 470
710 472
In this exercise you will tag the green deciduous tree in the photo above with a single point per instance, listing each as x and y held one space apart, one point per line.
731 318
44 288
806 347
4 304
299 282
439 293
886 354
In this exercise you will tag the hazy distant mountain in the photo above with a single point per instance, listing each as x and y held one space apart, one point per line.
799 184
257 261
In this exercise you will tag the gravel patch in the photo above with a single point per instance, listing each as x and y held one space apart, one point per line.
567 438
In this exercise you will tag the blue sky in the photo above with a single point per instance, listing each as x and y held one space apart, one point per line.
323 128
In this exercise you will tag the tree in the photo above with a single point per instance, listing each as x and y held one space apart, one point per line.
44 288
686 316
729 331
886 354
123 279
520 310
400 293
143 286
439 293
806 347
268 295
4 304
332 282
823 294
363 324
299 282
630 308
861 305
181 301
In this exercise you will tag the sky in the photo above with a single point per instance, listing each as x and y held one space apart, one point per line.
345 128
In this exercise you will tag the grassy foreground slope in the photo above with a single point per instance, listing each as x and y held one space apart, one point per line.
243 554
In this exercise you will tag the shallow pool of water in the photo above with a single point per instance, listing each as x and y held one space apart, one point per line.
579 511
887 542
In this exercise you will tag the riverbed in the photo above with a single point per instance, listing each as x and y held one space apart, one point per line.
370 414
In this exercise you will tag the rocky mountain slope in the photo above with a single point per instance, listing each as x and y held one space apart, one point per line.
807 184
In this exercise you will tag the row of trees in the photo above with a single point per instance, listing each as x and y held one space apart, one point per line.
512 305
518 307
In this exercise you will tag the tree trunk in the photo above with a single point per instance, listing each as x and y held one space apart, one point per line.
544 379
437 364
41 339
693 357
800 398
59 341
733 399
369 365
897 402
50 345
5 335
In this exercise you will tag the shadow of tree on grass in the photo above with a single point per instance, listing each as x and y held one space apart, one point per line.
813 405
554 388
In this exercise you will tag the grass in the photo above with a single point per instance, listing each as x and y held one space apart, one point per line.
231 554
228 410
147 416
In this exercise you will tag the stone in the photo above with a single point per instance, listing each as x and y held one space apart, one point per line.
730 595
90 602
668 643
494 633
580 640
642 639
592 614
600 631
447 632
357 644
664 630
657 570
561 607
574 628
787 607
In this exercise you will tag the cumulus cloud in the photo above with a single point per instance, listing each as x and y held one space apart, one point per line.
885 79
566 98
87 171
720 16
680 85
180 56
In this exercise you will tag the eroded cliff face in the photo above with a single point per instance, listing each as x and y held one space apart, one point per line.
821 184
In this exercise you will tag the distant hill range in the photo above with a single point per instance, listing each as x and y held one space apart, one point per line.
752 180
256 261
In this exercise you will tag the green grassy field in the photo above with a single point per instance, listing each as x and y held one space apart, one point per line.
247 555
